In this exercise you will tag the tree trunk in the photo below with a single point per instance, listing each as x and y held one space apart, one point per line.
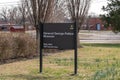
37 34
38 40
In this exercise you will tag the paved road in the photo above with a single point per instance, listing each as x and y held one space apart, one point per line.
99 37
94 36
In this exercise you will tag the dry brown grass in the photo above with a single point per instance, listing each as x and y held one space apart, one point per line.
15 45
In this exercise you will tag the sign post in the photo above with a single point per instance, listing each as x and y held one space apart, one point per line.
62 36
75 50
41 46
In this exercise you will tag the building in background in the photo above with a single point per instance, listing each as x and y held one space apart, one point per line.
94 23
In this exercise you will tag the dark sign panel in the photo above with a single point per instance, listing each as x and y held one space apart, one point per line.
58 36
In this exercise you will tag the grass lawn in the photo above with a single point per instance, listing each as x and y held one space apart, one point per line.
95 62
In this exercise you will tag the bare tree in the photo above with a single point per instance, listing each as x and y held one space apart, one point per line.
78 10
13 15
58 13
23 12
4 14
39 12
10 15
44 11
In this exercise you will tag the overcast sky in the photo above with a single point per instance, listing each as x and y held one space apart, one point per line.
95 8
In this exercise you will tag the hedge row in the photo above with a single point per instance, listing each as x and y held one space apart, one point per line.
16 46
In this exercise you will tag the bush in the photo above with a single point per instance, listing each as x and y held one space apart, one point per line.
5 47
16 46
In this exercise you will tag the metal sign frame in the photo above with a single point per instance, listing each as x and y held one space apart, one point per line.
75 47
